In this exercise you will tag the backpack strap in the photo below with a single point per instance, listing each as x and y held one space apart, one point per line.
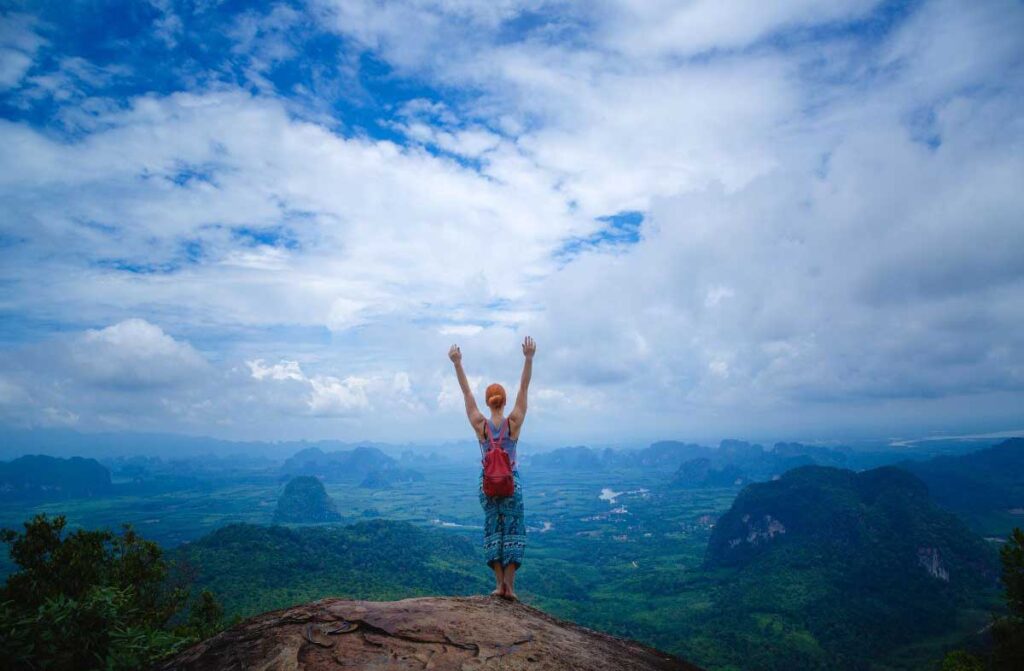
495 441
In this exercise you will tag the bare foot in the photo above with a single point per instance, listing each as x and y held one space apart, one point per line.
499 591
509 594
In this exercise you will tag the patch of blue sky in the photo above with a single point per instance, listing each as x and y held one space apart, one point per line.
9 240
105 228
188 252
321 72
18 327
921 123
188 174
620 230
281 338
135 267
871 28
268 236
192 251
568 30
387 92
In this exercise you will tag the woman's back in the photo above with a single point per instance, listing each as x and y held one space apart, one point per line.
502 436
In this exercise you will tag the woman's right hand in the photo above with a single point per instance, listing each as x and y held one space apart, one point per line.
455 354
529 347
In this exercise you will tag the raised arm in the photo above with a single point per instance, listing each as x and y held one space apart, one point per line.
518 414
476 418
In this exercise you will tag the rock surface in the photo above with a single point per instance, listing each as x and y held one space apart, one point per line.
456 633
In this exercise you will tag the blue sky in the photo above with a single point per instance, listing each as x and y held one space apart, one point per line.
795 220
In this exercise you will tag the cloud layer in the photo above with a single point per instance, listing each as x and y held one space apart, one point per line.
716 218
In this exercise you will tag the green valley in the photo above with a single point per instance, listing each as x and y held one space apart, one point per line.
821 567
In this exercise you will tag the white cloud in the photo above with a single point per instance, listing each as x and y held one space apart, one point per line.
332 396
460 329
664 27
135 354
376 229
19 42
285 370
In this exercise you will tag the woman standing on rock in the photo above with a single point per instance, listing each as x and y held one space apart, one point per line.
504 528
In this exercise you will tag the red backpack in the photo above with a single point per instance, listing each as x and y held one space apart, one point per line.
497 466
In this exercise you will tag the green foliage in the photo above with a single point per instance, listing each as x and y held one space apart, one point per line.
257 568
93 600
1008 631
1011 555
305 501
1007 653
638 575
958 660
856 565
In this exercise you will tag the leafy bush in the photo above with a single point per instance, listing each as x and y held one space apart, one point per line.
94 600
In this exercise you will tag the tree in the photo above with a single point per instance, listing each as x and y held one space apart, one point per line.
94 599
1008 631
958 660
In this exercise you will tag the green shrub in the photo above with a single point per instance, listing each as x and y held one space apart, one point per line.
94 600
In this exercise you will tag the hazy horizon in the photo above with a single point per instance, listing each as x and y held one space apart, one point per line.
68 442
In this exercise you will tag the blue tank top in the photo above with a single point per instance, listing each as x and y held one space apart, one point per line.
505 441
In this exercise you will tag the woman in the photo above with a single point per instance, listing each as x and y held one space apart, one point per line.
504 528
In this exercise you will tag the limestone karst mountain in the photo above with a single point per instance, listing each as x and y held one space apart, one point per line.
443 633
305 501
863 563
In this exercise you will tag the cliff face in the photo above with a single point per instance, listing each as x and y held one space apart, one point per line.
450 633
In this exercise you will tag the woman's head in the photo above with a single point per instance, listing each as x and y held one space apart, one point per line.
495 396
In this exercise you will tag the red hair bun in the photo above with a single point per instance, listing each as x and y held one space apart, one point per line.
495 396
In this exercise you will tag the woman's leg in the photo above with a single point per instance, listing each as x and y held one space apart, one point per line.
514 539
499 578
493 529
510 581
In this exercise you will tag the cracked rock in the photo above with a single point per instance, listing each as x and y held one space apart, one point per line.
442 633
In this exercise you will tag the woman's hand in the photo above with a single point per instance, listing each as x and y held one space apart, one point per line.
455 354
529 347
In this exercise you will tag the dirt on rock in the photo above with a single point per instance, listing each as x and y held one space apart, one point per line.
443 633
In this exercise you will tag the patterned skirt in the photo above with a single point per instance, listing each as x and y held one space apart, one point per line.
504 527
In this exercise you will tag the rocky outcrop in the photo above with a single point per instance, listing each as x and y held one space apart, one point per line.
443 633
931 560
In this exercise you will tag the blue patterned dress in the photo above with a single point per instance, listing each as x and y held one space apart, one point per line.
504 526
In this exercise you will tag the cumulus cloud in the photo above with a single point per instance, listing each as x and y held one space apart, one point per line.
327 395
135 355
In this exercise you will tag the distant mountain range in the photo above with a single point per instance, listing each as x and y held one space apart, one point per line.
65 442
366 465
746 461
15 442
45 477
989 479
